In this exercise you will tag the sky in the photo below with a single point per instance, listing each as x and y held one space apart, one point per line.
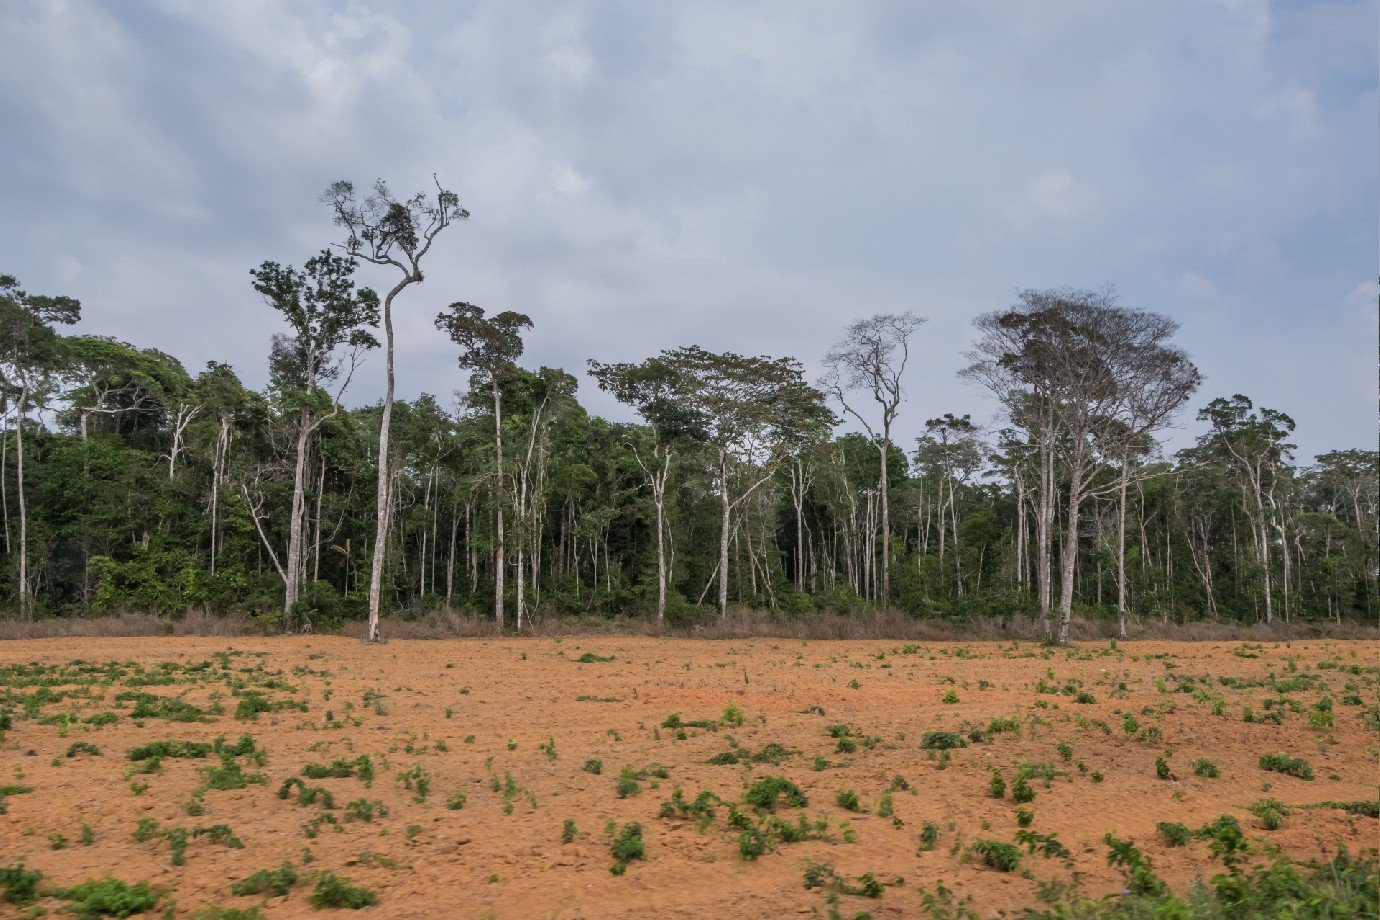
743 176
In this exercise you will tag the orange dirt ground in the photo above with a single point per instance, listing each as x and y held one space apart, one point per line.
470 711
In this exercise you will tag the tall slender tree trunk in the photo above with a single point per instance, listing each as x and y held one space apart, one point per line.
1121 548
724 533
1068 562
316 536
1044 534
293 568
886 523
659 494
26 611
385 478
217 475
4 480
500 548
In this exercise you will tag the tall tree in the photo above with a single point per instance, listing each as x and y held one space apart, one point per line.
1253 444
1067 364
655 389
489 349
30 352
871 360
385 231
751 411
325 312
951 450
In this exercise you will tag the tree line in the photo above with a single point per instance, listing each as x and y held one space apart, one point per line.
127 482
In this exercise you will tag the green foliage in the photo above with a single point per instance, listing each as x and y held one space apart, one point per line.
1290 766
1004 857
109 897
1205 768
627 845
276 882
768 791
1175 835
20 885
942 741
336 891
1270 812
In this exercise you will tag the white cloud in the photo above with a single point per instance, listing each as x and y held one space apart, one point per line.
744 176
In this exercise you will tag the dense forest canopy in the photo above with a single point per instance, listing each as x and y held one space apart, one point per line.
129 483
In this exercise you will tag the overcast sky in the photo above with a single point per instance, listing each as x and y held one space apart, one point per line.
742 176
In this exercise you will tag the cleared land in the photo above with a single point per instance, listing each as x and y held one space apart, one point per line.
440 776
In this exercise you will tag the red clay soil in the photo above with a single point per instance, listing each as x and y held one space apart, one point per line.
471 713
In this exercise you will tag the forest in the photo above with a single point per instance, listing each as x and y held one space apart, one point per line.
130 483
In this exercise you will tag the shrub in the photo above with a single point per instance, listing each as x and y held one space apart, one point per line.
20 885
1270 812
1205 768
1290 766
997 785
594 766
1004 857
942 741
627 782
847 799
929 835
568 830
267 881
1175 835
110 897
159 749
364 810
627 846
336 891
1004 724
769 789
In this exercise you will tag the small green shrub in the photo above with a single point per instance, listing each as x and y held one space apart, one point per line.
1206 768
768 790
20 885
1004 857
626 846
1175 835
942 741
1290 766
336 891
847 799
275 882
109 897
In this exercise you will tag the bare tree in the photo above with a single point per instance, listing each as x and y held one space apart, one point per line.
872 359
385 231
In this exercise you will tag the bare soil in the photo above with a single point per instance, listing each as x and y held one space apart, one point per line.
473 715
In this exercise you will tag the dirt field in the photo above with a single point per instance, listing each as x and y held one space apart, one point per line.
495 739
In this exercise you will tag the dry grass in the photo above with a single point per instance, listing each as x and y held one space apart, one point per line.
194 623
739 623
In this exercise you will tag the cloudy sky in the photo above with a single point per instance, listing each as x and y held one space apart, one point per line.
746 176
